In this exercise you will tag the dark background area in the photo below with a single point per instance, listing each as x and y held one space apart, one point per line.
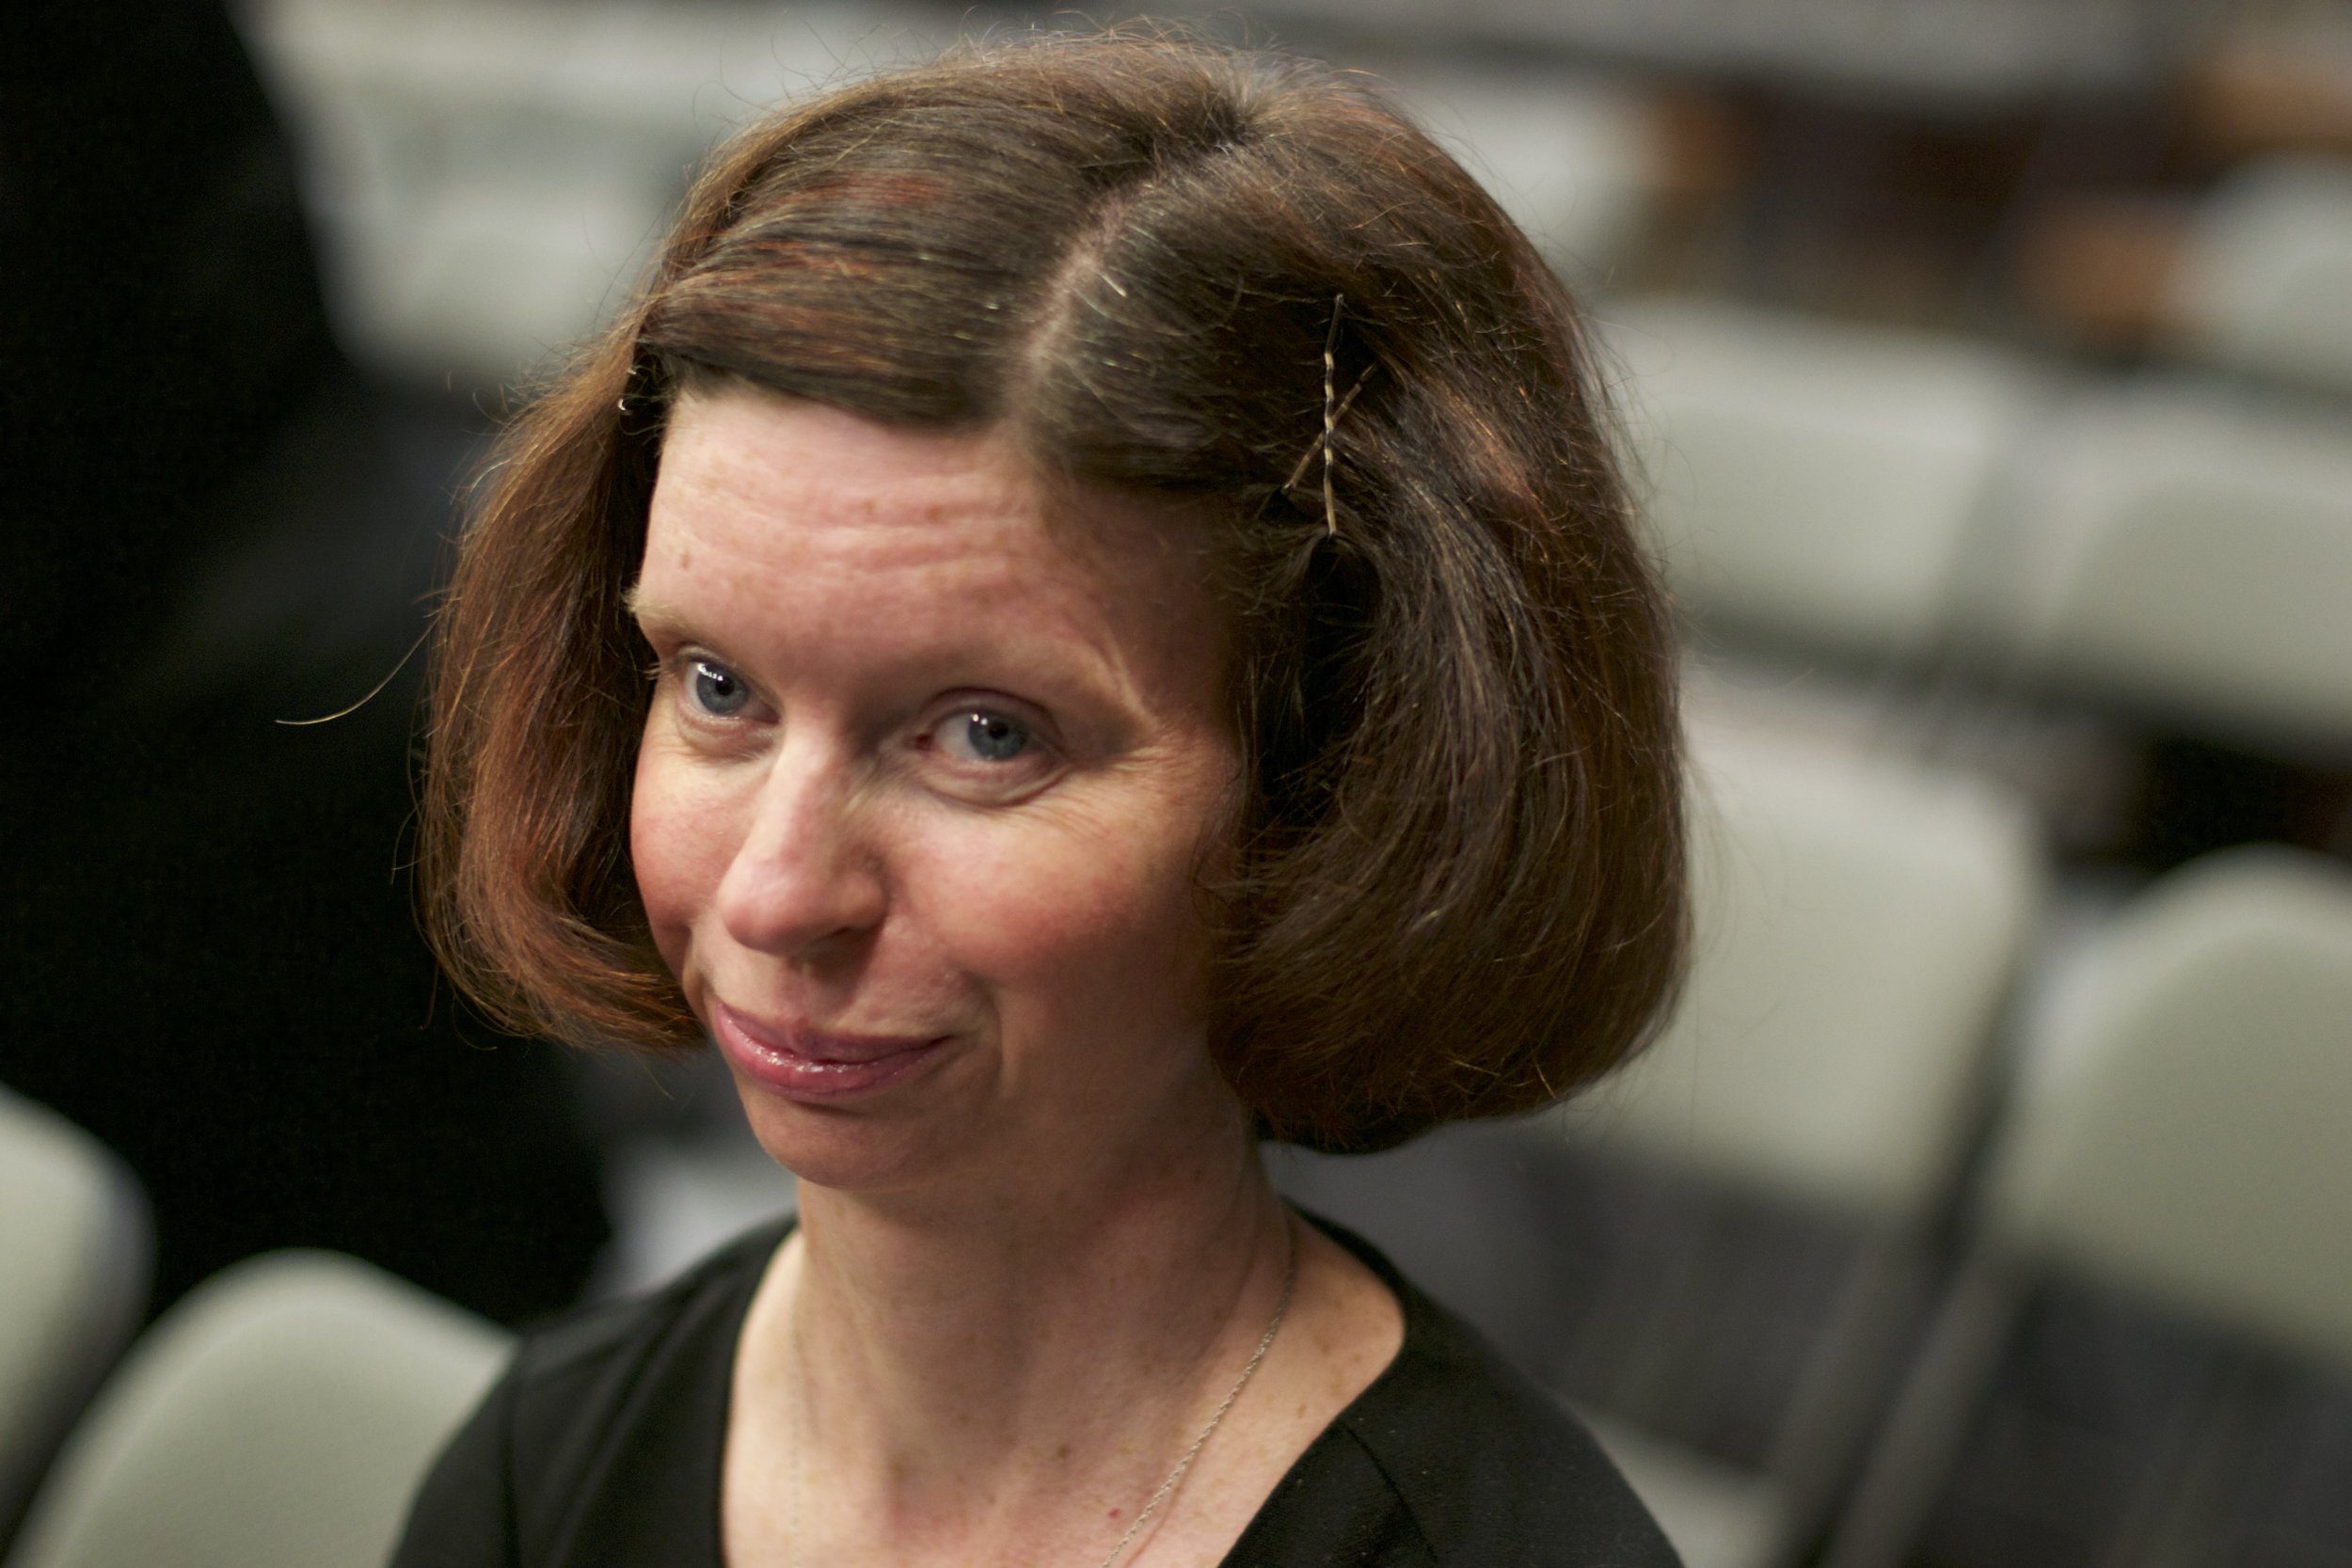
213 962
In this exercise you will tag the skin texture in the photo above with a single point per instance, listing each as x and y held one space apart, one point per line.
934 758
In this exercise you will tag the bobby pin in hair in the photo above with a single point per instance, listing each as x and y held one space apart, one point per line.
1332 412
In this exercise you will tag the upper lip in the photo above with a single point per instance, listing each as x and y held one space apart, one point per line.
798 1037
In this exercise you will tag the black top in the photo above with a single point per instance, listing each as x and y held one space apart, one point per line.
602 1444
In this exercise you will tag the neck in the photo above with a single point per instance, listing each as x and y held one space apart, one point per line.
986 1352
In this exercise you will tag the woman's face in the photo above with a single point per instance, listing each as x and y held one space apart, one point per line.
923 794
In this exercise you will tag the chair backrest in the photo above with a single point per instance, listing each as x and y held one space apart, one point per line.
74 1253
2165 1240
1814 481
2186 552
278 1417
496 173
1574 160
1858 916
2183 1125
2265 284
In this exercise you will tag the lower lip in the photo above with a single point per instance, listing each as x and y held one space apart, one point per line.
787 1072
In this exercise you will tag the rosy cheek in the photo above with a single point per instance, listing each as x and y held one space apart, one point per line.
674 881
1063 927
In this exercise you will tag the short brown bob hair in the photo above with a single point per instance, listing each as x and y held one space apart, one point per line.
1241 282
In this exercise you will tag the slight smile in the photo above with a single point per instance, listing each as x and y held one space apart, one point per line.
804 1063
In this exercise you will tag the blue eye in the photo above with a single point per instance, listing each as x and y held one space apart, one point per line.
716 689
987 736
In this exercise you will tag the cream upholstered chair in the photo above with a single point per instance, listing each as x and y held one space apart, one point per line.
2265 282
1858 920
74 1251
1573 157
2180 1137
2185 552
1814 482
278 1417
492 177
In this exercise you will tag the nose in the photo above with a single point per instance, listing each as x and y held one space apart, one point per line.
805 881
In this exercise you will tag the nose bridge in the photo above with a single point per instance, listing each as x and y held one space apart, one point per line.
802 873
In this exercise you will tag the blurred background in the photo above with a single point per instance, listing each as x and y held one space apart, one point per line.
1987 366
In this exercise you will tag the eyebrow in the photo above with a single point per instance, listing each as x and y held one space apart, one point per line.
650 614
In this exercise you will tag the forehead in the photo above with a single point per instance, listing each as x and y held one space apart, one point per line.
754 469
767 506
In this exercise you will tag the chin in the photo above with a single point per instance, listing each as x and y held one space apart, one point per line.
843 1148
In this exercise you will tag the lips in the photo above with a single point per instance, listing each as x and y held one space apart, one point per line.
806 1063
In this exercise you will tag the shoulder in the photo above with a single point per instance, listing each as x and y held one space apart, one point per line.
1490 1470
1477 1465
607 1422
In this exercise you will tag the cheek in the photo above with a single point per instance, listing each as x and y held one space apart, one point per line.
677 851
1088 928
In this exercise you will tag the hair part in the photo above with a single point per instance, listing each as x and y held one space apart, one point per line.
1457 888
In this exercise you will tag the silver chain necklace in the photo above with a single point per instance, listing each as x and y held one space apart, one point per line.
1265 1342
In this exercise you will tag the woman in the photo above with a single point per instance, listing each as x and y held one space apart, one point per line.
1083 619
